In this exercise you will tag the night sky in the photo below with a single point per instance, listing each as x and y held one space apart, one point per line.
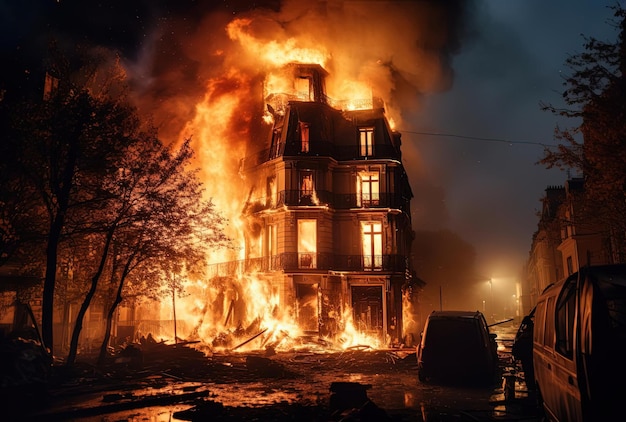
472 125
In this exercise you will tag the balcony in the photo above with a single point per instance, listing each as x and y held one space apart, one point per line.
341 201
311 262
321 149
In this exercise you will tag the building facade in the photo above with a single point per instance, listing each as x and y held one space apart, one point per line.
566 239
328 212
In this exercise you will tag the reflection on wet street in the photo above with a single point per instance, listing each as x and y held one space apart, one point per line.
295 384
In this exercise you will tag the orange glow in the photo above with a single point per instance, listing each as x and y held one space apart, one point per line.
351 337
247 311
273 52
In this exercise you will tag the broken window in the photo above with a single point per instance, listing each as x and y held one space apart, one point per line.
368 189
307 243
372 233
303 89
366 139
304 137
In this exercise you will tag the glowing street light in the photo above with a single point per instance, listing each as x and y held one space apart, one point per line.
491 308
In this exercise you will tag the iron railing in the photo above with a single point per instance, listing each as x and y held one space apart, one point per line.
310 262
336 200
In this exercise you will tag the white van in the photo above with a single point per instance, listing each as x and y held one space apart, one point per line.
579 346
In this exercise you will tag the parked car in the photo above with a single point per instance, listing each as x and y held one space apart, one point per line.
579 344
457 347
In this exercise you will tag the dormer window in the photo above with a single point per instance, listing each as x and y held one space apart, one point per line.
366 141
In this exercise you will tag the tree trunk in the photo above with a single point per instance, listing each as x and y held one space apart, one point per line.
78 326
107 333
47 303
114 305
63 189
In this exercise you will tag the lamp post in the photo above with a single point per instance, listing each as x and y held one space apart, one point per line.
491 307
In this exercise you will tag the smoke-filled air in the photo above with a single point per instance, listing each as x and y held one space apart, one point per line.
207 78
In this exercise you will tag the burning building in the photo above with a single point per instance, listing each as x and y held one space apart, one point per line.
327 215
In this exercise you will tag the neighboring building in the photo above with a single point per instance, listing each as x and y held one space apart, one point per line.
566 240
329 210
582 239
545 264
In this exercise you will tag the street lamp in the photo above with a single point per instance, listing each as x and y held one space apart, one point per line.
491 307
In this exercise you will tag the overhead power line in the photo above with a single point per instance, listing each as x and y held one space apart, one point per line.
479 138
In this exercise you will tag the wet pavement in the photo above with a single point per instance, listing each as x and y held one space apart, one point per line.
183 384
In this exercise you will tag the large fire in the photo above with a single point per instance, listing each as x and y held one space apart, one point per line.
242 313
204 311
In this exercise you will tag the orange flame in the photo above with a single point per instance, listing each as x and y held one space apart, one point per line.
243 313
273 52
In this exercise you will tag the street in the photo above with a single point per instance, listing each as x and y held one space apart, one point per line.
182 384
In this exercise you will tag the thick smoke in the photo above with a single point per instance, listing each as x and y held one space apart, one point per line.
403 49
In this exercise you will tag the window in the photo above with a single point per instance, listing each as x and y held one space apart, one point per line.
276 135
372 234
368 189
303 88
307 188
270 192
540 322
307 243
366 141
304 137
565 311
271 236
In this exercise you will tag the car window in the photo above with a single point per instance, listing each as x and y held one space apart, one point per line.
548 335
538 330
565 313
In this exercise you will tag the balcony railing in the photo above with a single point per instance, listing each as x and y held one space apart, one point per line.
309 261
341 200
325 149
